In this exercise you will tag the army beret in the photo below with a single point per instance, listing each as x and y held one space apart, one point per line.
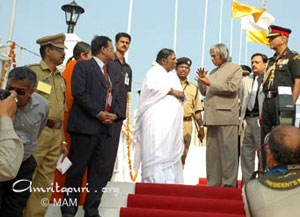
55 40
184 60
277 31
246 70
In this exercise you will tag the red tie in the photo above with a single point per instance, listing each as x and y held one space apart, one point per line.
108 90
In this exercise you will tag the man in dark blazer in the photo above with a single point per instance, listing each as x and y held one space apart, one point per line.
94 110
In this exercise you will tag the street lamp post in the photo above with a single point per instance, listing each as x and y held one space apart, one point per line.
72 13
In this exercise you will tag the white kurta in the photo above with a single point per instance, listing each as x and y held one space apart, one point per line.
159 127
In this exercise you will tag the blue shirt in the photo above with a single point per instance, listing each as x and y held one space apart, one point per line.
30 121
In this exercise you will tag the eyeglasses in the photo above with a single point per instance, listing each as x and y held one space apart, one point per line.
19 91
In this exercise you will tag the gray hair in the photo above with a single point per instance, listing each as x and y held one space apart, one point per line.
23 73
222 51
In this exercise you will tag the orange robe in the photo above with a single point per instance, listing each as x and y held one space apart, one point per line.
59 178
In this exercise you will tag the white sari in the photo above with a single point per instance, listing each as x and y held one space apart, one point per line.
159 128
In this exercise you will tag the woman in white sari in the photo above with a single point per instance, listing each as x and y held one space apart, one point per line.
160 123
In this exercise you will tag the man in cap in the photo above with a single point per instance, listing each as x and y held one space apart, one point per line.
50 85
283 70
246 70
251 97
192 107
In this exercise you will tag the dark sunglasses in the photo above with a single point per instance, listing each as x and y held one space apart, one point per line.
19 91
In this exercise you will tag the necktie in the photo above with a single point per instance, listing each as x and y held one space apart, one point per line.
252 98
108 90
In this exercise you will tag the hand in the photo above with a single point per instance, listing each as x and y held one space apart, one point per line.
178 94
201 76
201 134
201 72
8 106
64 150
106 117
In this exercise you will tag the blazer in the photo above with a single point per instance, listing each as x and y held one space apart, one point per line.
221 102
89 92
244 95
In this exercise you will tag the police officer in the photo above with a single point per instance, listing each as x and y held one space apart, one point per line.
283 70
192 107
51 142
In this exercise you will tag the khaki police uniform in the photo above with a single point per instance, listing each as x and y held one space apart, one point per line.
51 85
192 105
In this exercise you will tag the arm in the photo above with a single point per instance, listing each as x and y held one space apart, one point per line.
178 94
11 147
82 98
296 89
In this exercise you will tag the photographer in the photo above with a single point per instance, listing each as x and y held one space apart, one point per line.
30 119
276 193
11 147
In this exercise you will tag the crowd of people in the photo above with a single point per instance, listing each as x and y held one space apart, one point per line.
80 113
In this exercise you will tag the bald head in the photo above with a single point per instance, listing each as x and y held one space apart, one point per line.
284 144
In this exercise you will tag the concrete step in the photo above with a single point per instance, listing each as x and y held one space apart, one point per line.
54 211
114 197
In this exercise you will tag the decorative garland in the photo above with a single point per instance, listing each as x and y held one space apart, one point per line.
128 140
11 60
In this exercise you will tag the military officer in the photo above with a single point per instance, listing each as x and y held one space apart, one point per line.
51 142
283 70
192 107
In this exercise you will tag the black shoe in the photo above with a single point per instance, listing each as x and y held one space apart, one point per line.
228 186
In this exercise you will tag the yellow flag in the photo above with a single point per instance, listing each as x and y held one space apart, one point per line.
241 10
257 37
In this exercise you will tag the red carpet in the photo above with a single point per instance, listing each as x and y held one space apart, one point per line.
166 200
188 191
137 212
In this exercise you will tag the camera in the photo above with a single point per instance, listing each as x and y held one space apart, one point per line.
4 94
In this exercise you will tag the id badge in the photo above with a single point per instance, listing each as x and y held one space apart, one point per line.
44 87
126 81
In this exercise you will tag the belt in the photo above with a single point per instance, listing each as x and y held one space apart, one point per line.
187 118
253 114
270 94
54 124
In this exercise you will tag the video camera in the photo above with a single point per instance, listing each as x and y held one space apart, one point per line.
4 94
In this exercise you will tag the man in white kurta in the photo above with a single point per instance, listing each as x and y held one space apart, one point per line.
160 123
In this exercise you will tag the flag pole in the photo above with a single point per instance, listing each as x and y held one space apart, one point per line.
221 17
246 50
240 49
231 33
175 25
129 23
12 20
204 33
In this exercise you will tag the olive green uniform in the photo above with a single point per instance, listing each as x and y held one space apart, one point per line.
191 106
281 71
48 148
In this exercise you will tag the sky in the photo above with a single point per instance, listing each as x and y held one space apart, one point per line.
152 28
